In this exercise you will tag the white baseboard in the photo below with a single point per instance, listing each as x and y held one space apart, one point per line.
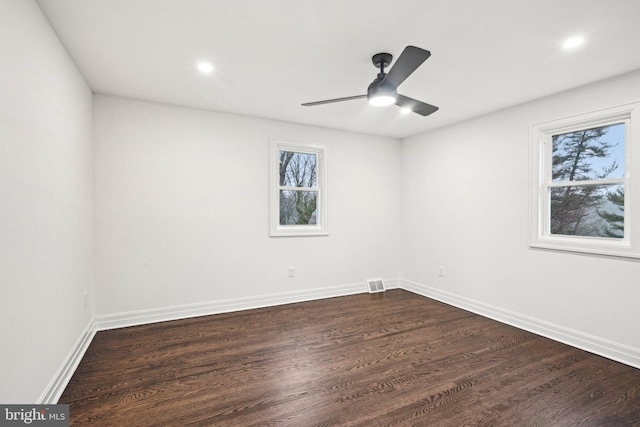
603 347
609 349
56 386
141 317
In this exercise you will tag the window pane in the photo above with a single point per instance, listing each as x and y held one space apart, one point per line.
589 154
591 210
298 207
297 169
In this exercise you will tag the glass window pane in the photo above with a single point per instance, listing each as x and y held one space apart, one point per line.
297 169
589 154
298 207
591 211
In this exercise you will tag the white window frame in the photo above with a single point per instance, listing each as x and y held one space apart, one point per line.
321 228
540 181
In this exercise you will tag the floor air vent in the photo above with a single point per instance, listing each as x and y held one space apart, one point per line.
376 285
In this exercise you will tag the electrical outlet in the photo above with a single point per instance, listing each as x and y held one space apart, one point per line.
292 272
441 271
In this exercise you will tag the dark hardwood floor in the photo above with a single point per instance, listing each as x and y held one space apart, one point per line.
390 359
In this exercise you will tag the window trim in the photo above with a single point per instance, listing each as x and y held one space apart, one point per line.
540 147
321 228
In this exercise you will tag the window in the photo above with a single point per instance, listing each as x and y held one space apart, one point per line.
298 188
581 187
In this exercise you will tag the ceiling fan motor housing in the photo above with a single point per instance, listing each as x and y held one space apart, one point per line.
384 93
377 87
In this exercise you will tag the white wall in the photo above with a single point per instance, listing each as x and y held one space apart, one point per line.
465 207
45 203
181 209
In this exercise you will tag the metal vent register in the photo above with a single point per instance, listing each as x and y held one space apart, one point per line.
375 285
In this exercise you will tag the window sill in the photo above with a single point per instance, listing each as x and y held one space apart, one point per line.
298 231
586 245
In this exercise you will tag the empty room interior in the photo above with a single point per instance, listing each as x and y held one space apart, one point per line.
206 218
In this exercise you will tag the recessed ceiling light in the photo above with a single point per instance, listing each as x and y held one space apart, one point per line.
205 67
405 110
573 42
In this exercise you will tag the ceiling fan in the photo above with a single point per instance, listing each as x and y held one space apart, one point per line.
383 90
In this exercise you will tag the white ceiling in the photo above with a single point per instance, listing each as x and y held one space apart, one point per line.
272 55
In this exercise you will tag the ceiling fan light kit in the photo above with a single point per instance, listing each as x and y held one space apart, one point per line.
379 96
383 90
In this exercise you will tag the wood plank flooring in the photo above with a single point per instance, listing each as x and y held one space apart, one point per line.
389 359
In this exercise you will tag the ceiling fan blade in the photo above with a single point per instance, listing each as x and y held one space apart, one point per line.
410 59
329 101
416 106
